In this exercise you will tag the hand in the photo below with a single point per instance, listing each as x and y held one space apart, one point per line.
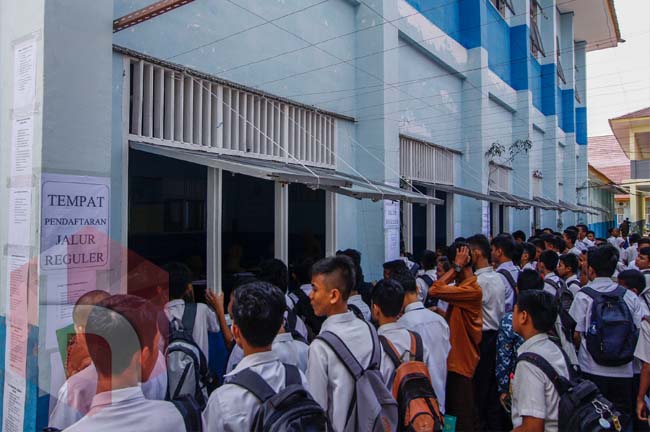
504 399
214 300
462 257
641 410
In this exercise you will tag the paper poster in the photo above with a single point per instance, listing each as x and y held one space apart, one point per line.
21 146
391 238
391 214
25 75
13 414
74 222
485 218
20 214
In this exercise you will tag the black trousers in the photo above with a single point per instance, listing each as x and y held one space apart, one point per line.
460 401
491 417
619 391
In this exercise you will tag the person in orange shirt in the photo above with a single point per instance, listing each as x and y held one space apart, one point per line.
464 316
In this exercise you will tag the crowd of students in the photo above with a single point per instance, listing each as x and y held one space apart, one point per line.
493 331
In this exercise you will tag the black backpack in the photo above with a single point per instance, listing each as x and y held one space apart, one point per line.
292 409
612 336
428 300
190 411
290 326
564 298
582 407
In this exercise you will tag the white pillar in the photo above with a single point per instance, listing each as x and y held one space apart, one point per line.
407 225
330 223
282 222
431 224
214 213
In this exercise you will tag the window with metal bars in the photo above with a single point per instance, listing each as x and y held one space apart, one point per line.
501 6
177 108
499 178
536 45
421 161
560 71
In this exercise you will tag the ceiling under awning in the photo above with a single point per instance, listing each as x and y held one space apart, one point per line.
546 204
514 201
572 207
320 178
461 191
594 210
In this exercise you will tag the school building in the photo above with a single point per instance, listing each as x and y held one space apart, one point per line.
219 133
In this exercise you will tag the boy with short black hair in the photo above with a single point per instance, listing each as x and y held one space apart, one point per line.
427 275
535 400
502 249
528 255
546 266
615 382
567 269
257 314
570 237
519 236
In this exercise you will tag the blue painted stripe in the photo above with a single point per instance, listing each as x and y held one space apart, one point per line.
548 89
519 57
568 111
581 125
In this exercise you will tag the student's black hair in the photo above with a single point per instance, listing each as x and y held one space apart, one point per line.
632 279
444 261
453 251
538 232
643 240
517 252
538 243
396 266
480 242
583 226
406 280
645 251
388 295
339 270
603 260
460 240
118 327
503 242
428 260
560 244
550 230
519 235
355 256
600 241
570 260
590 232
571 235
275 272
634 238
84 305
572 228
302 271
180 277
530 249
529 280
541 306
550 259
258 310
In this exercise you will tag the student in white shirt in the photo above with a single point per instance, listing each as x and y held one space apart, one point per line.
535 400
567 269
502 248
257 313
527 261
615 239
207 319
615 382
330 383
428 261
643 264
570 236
122 337
387 299
583 243
490 413
434 331
546 266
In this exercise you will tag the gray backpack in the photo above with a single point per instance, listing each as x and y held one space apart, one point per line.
187 367
373 408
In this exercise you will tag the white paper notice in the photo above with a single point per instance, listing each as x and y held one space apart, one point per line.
13 415
21 143
20 214
391 214
391 247
25 75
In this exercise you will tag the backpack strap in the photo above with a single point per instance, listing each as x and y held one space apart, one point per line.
426 278
618 292
291 375
390 351
254 383
356 311
560 383
343 353
554 284
190 411
508 276
573 282
417 348
189 317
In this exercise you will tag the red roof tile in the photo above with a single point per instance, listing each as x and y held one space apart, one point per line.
644 112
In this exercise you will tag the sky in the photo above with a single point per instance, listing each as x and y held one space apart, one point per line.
618 79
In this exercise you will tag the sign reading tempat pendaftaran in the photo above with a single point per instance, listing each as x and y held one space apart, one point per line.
74 222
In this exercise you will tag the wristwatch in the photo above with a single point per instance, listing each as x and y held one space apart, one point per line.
457 268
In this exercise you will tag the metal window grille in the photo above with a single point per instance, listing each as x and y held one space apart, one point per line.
499 178
560 71
535 37
181 109
537 186
421 161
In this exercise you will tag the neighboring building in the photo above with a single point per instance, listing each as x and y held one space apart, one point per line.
632 132
230 132
602 215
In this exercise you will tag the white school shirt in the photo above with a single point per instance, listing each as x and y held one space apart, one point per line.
617 242
231 407
644 297
287 349
630 254
301 328
574 288
642 351
510 293
307 288
127 410
423 289
494 297
357 301
575 251
530 266
581 313
401 340
434 331
533 393
76 394
584 244
548 287
330 383
206 321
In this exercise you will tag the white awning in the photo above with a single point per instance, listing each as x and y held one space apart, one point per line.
462 191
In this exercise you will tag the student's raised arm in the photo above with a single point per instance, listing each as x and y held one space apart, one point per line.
216 302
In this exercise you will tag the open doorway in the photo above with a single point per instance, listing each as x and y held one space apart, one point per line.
306 223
